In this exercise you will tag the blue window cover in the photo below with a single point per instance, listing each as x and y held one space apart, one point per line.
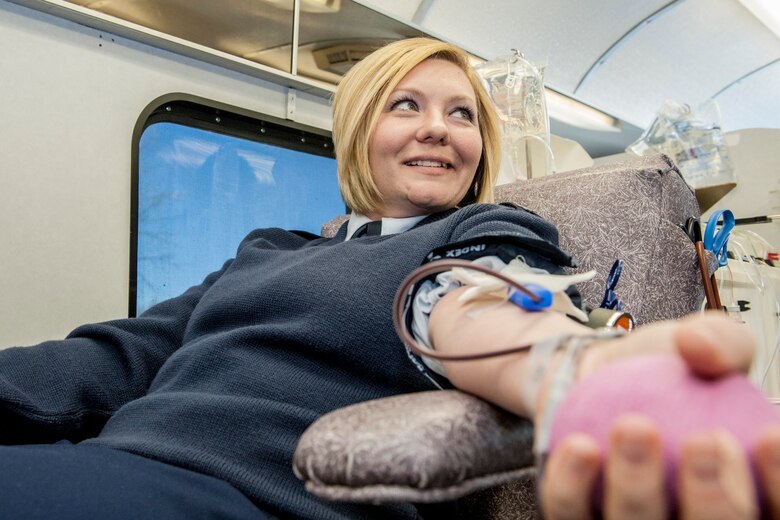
200 192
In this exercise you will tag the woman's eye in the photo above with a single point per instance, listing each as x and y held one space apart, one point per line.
404 104
464 113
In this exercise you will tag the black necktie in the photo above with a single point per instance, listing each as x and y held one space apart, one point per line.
369 229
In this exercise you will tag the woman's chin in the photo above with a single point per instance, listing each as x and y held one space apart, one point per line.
432 203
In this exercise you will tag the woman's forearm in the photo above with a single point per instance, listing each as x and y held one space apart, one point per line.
458 327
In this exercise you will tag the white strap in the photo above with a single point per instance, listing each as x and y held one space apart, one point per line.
559 382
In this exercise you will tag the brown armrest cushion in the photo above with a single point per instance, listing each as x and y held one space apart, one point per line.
423 447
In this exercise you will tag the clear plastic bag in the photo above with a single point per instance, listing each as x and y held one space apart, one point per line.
517 89
693 139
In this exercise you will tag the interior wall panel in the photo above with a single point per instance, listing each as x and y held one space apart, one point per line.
70 99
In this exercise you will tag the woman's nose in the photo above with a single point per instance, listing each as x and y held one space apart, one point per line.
433 129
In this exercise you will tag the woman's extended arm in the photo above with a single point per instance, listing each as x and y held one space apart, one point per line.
711 345
67 389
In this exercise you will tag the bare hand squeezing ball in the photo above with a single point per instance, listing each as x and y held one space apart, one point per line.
682 434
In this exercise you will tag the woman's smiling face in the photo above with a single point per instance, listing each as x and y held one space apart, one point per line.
426 146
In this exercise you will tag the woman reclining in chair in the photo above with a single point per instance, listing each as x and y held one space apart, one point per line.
193 409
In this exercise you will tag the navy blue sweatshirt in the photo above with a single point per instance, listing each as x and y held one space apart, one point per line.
223 379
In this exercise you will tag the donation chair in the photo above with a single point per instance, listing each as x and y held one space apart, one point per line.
447 445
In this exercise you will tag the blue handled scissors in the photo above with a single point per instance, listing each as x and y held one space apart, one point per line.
716 240
610 300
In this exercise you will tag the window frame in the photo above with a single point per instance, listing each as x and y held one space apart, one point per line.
212 116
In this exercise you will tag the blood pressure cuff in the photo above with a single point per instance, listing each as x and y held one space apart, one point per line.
536 253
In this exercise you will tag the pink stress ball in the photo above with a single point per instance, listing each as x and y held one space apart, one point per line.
662 388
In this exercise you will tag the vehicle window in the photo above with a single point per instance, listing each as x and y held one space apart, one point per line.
199 192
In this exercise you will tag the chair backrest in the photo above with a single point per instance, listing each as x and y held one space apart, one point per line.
632 210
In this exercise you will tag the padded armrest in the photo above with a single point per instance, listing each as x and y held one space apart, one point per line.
421 447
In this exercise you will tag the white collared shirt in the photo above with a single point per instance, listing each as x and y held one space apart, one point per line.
390 225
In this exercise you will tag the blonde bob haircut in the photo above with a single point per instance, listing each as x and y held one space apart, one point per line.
360 99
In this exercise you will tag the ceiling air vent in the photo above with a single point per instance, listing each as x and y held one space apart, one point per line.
338 59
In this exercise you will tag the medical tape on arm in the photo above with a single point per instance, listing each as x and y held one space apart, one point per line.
480 284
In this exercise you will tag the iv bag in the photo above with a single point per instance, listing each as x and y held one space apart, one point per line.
516 87
693 138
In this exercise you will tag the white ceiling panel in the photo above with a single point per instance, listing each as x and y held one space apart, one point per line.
568 35
688 55
753 102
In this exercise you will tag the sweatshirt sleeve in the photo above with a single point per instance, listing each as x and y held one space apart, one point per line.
506 232
67 389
